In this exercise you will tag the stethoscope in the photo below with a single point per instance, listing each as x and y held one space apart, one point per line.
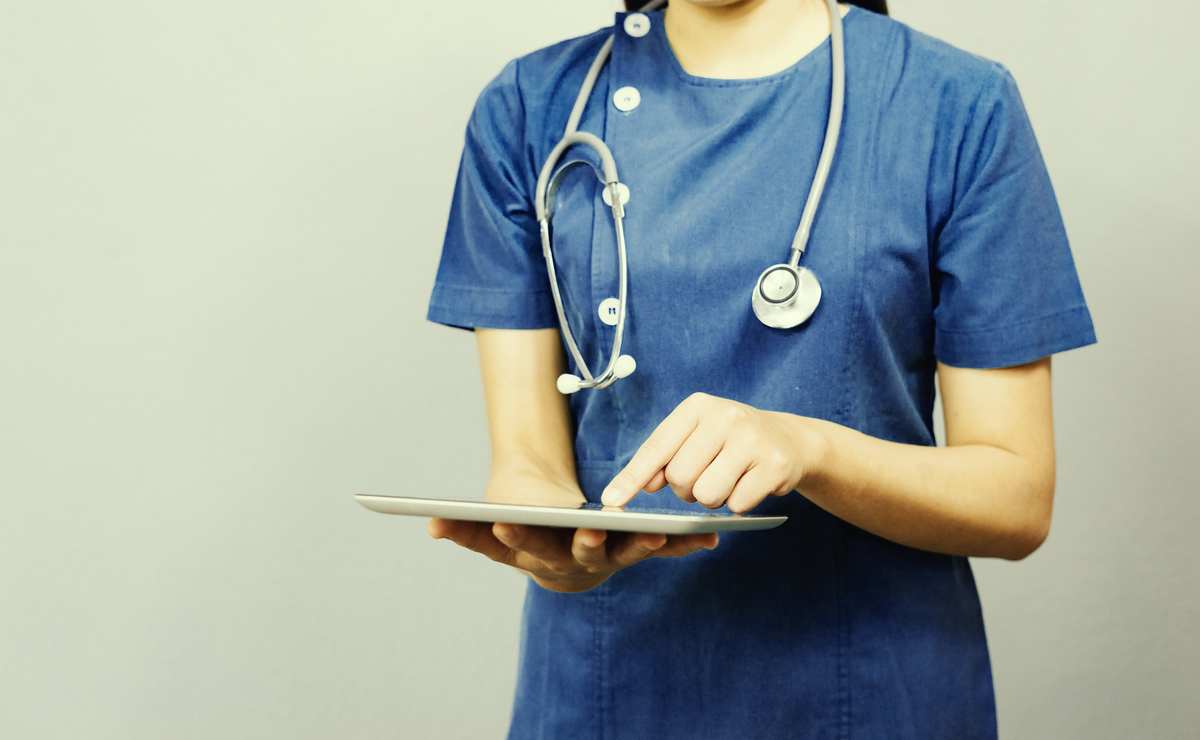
784 296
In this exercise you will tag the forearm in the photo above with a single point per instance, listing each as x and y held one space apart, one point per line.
528 419
971 499
988 492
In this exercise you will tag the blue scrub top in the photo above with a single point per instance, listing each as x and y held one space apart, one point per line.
938 238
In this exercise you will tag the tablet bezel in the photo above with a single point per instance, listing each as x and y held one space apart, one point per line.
612 519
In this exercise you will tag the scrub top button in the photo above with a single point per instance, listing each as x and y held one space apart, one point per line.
637 25
608 310
627 98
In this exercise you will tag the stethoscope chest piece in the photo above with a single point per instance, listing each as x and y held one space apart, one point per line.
785 296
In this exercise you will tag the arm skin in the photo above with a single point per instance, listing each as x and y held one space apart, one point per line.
533 455
987 493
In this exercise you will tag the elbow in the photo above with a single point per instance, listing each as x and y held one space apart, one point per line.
1024 543
1033 528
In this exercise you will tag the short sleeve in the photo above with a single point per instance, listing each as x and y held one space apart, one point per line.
1005 284
491 272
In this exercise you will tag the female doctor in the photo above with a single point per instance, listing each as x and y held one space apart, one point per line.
939 252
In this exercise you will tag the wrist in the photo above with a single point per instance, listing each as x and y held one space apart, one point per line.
532 479
531 464
812 446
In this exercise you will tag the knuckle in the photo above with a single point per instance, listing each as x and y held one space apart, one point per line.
705 494
734 414
651 447
677 476
739 505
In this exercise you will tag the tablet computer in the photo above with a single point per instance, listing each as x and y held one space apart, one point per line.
629 518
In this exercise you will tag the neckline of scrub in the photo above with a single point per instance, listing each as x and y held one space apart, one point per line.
659 30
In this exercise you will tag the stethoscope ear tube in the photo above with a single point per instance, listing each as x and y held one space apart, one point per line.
619 366
547 188
607 163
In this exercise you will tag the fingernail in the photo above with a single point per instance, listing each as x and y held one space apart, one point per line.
503 531
610 497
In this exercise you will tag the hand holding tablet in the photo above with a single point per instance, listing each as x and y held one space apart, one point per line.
566 560
552 534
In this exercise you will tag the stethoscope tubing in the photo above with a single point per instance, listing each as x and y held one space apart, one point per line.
833 130
619 366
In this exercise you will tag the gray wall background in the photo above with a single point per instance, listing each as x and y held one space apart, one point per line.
219 223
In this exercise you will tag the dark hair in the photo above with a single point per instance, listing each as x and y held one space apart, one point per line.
875 6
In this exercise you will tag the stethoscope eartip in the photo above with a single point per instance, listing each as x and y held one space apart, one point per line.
625 366
568 384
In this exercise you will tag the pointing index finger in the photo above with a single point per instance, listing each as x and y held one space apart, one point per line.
651 457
